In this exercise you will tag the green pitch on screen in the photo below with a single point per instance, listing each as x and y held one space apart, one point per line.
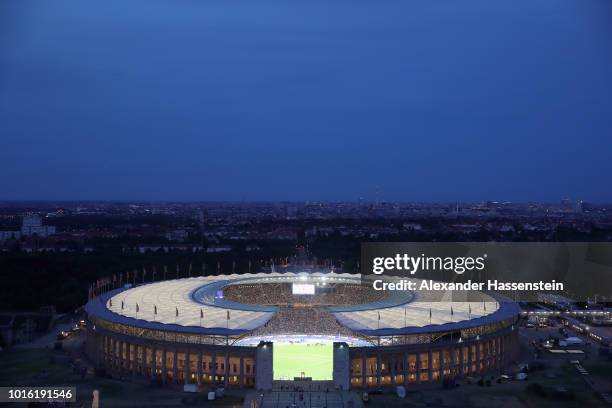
291 360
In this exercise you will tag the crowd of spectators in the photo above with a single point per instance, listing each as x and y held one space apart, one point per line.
280 294
303 320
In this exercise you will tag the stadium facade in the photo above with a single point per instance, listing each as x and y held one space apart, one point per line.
220 330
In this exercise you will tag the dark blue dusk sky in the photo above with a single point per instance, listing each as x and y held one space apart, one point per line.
294 100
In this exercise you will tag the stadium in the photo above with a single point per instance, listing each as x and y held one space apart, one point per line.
251 330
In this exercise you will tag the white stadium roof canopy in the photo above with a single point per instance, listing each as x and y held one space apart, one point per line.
193 300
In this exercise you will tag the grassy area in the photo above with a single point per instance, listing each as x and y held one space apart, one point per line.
598 367
315 361
30 367
42 367
512 394
506 396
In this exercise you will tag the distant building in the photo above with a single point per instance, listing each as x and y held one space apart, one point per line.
569 206
179 235
218 248
32 225
411 226
167 248
291 212
4 235
202 217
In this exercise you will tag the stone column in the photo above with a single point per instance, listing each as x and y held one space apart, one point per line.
430 367
105 355
121 357
378 362
503 351
143 361
478 358
113 354
418 367
213 370
406 370
175 367
187 368
341 366
129 359
263 366
164 367
199 367
135 360
461 362
392 368
364 369
470 360
226 371
241 371
499 354
154 362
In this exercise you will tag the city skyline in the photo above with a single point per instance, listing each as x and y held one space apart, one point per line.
63 192
563 200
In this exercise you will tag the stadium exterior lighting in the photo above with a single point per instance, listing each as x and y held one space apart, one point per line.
352 321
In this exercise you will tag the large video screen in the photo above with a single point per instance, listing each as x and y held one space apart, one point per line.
303 289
